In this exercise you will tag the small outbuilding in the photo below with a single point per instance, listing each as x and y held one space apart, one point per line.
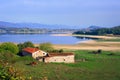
60 58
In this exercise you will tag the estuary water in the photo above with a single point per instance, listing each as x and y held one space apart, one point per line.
41 38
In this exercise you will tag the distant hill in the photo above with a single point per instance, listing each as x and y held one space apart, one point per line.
34 28
94 27
35 25
101 31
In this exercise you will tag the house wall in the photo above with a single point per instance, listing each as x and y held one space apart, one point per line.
39 54
60 59
35 54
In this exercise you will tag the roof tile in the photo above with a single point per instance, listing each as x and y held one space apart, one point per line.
30 50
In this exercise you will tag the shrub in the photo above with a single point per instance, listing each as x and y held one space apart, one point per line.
9 47
99 51
7 72
55 51
61 51
111 54
46 47
7 56
28 44
24 45
20 46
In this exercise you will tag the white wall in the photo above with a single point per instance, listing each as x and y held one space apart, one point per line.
60 59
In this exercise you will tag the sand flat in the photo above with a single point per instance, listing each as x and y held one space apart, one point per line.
91 45
90 36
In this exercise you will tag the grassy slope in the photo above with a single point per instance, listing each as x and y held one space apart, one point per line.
96 67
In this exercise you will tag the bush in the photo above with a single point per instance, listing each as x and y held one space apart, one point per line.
46 47
24 45
111 54
61 51
20 46
7 72
99 51
55 51
28 44
7 56
9 47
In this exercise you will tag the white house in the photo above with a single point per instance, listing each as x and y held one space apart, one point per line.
34 52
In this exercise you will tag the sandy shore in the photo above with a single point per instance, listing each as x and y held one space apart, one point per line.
90 36
91 45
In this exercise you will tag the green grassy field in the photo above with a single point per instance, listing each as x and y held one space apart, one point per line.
88 66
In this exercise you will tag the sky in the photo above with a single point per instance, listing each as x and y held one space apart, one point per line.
83 13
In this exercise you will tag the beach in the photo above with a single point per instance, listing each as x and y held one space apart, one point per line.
91 45
89 36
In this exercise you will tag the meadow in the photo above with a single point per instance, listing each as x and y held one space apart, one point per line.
88 66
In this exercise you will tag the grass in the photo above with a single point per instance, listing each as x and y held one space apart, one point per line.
104 66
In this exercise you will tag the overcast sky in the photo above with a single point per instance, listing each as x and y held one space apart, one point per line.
83 13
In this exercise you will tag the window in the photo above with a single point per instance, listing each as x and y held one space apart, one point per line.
44 53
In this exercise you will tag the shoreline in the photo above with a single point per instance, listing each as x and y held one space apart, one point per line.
89 45
89 36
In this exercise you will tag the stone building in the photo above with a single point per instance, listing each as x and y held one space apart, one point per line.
47 58
59 58
34 52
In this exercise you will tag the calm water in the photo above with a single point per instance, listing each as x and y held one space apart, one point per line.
41 38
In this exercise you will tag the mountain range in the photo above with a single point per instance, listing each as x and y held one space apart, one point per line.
4 24
35 25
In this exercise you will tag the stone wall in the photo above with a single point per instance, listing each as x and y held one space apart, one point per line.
60 59
39 54
36 54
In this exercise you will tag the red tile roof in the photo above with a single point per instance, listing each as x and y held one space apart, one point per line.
30 50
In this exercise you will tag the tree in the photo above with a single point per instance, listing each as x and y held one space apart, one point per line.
28 44
102 31
46 47
9 47
24 45
20 46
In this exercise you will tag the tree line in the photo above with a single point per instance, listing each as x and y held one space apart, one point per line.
101 31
